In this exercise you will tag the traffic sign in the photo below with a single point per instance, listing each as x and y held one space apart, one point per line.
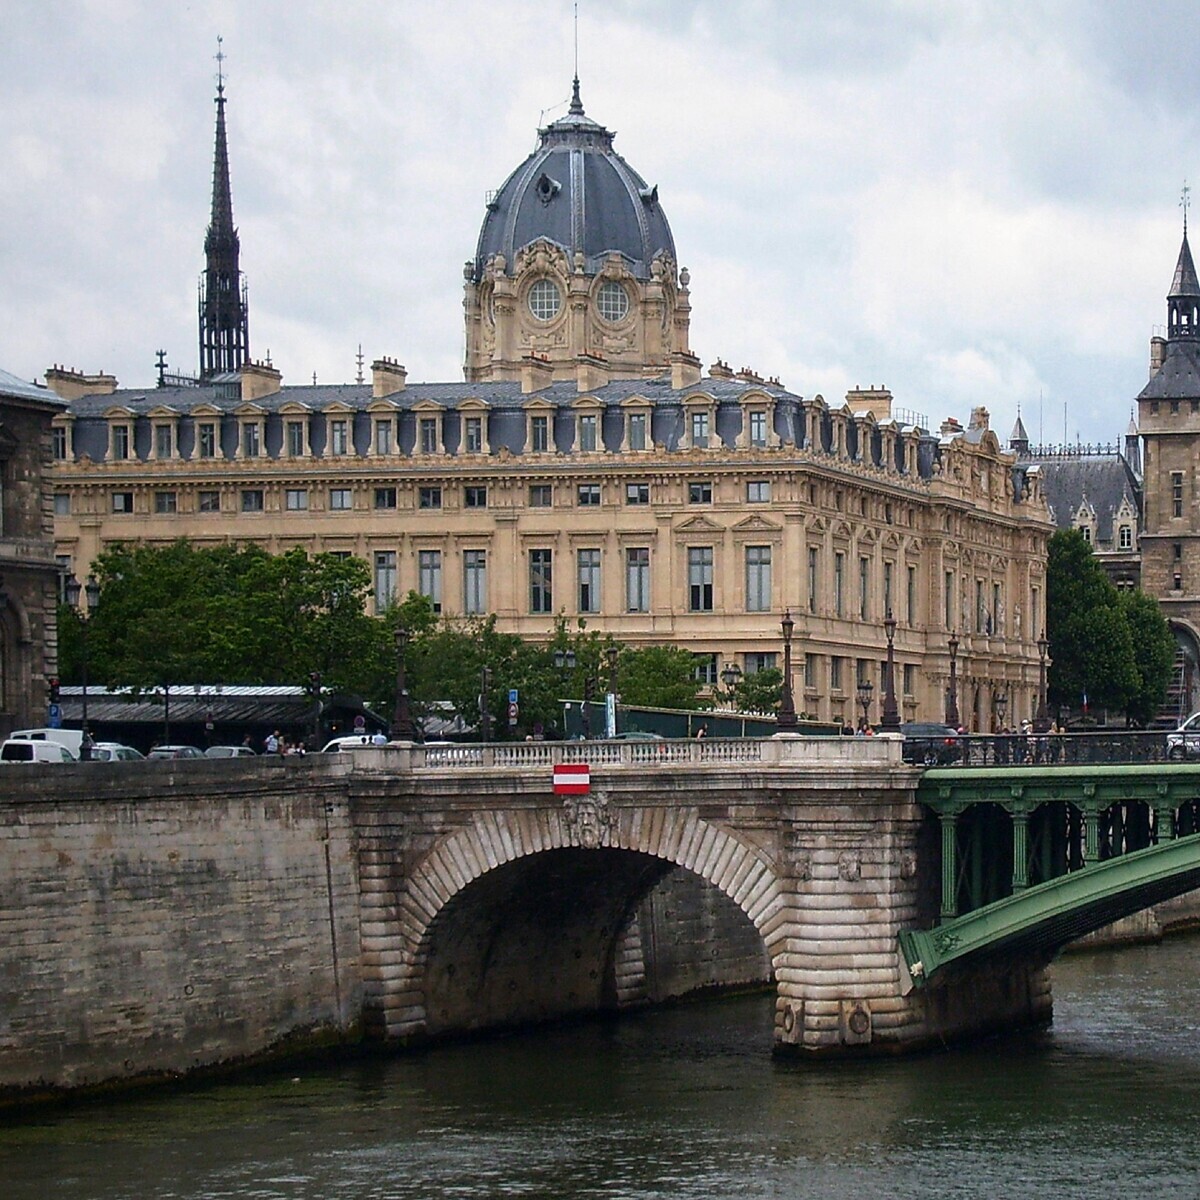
572 779
512 696
513 710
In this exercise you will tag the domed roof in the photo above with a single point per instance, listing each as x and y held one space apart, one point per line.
578 192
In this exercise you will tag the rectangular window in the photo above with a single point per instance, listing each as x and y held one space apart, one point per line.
208 502
383 436
475 581
700 579
835 674
810 671
1177 493
122 502
1035 613
637 493
997 607
700 429
250 440
589 580
473 435
1125 538
340 500
385 497
864 588
164 441
206 440
120 441
541 495
59 437
813 579
699 493
165 503
429 438
758 427
762 660
589 495
706 669
637 431
541 591
758 491
637 579
948 600
339 436
429 577
539 434
909 676
910 596
587 432
296 499
385 579
758 578
981 614
295 439
475 497
429 497
888 572
62 504
252 500
839 590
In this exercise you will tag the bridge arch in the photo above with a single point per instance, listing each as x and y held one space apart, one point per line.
485 873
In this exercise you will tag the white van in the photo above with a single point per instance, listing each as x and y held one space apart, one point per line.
27 750
71 738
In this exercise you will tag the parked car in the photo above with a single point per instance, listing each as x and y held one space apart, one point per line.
115 752
175 752
29 750
229 752
929 743
71 738
1184 742
354 741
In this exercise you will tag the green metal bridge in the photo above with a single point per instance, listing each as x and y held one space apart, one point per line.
1034 857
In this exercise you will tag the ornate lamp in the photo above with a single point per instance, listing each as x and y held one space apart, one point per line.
891 714
787 704
952 696
403 729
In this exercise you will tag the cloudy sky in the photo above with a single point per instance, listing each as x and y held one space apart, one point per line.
970 201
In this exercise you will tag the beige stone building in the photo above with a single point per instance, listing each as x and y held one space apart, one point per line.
588 467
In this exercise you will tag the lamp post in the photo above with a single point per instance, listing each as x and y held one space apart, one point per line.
92 591
1001 708
564 660
865 690
402 722
610 700
731 676
1041 721
314 690
485 714
787 704
952 696
890 718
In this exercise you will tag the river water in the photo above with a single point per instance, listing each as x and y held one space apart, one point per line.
680 1103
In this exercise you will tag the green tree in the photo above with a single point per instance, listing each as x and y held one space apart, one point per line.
1153 655
658 677
760 692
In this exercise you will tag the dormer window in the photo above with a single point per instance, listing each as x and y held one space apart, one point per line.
206 439
383 436
120 441
1086 530
539 434
1125 537
700 430
294 439
427 431
758 427
587 432
339 436
473 435
164 441
251 439
635 436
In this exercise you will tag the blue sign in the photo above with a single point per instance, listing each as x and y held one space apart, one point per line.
54 716
512 696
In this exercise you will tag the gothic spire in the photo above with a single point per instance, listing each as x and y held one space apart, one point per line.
224 321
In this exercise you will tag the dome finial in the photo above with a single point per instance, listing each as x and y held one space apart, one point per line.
576 108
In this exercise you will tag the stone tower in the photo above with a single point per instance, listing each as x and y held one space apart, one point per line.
224 314
575 268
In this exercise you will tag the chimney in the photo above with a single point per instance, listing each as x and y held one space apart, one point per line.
70 384
258 380
1158 353
536 373
720 370
876 400
387 377
591 371
685 369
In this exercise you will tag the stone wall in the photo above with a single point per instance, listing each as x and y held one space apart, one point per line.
155 923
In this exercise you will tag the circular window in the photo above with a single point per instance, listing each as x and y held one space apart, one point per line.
544 299
613 302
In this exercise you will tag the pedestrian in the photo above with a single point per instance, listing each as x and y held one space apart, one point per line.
701 732
271 745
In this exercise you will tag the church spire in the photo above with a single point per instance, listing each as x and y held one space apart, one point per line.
1183 301
224 319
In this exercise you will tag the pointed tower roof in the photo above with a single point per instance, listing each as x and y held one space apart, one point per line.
222 233
1019 438
1185 282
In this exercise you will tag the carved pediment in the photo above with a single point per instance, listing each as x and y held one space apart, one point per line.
205 410
164 412
699 524
757 524
118 412
428 406
293 408
473 404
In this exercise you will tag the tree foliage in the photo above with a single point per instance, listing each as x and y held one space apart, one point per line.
1117 651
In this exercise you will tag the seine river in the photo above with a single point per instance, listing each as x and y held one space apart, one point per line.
684 1103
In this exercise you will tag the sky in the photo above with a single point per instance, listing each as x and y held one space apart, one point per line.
971 202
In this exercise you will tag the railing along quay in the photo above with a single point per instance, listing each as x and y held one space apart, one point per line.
1060 749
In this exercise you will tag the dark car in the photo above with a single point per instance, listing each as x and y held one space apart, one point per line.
930 744
175 752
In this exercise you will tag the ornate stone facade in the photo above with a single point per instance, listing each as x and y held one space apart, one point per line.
587 468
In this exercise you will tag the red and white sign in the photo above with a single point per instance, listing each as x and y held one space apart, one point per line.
572 779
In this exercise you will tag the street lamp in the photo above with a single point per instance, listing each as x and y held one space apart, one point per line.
1001 708
952 696
314 689
610 701
402 722
890 718
564 660
786 718
1042 720
92 591
731 676
865 690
